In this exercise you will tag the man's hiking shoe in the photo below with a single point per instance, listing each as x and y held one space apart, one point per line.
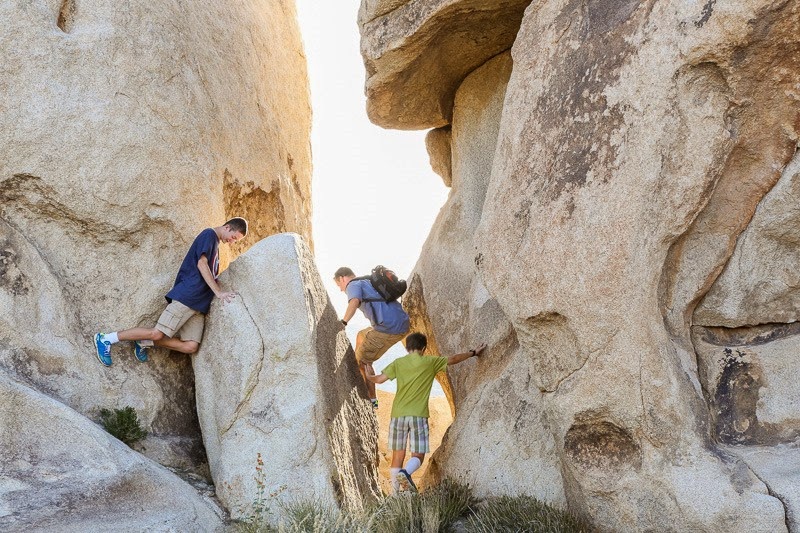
103 349
374 402
405 482
140 352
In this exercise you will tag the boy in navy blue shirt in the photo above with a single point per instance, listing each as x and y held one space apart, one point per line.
389 322
188 300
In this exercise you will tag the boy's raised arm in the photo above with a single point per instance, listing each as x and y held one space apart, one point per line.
457 358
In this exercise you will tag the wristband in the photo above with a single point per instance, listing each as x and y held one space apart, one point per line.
473 352
343 321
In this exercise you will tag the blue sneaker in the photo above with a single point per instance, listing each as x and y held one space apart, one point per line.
405 482
103 349
140 352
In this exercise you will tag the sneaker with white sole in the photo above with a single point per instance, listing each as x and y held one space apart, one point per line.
140 351
102 349
405 482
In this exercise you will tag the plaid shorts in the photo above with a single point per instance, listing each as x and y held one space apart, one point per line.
413 427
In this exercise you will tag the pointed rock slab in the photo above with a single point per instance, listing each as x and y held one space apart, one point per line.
276 376
61 472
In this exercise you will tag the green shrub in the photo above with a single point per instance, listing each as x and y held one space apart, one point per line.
123 424
312 516
522 514
438 509
307 516
431 511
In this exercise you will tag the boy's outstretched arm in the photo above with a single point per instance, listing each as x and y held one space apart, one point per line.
457 358
380 378
352 305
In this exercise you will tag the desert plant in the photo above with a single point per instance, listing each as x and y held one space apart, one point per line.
123 424
431 511
260 519
314 516
522 514
441 508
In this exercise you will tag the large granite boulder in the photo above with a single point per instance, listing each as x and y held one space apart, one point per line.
276 376
125 132
449 303
633 143
417 52
62 473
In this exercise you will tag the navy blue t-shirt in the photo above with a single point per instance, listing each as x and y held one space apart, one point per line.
386 317
190 288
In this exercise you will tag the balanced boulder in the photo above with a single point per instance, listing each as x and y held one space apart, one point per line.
276 377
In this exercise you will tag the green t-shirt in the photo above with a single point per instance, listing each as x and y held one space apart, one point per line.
415 374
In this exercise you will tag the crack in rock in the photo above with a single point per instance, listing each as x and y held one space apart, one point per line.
252 380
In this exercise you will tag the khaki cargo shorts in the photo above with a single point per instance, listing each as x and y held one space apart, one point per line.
372 344
177 317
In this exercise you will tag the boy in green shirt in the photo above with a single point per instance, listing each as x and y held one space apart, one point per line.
415 374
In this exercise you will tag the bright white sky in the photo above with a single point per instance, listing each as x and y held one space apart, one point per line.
375 197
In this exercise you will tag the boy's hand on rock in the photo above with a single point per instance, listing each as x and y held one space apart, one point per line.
479 350
226 297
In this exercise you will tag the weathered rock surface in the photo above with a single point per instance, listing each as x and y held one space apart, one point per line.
288 388
452 307
634 142
777 466
371 9
761 281
418 52
125 132
439 145
60 472
750 379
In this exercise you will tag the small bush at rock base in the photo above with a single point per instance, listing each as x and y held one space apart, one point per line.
260 518
447 507
317 517
522 514
123 424
431 511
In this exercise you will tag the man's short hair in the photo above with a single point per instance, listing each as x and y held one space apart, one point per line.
343 272
237 224
416 342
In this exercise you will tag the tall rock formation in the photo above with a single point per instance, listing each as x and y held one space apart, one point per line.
600 235
287 388
127 128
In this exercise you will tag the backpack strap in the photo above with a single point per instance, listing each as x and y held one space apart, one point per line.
366 278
